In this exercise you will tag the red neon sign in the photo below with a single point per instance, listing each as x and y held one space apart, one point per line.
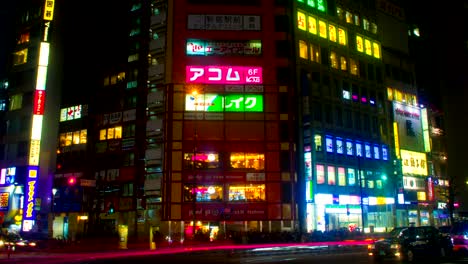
223 74
39 100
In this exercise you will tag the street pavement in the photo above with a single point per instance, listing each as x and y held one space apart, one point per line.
96 248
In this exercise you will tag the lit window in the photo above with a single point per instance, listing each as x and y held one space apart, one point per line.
343 63
373 28
118 132
342 37
250 193
103 134
20 57
351 177
241 160
354 67
110 133
203 193
301 21
365 24
340 13
376 49
201 160
83 136
63 139
333 60
303 50
368 47
320 174
318 142
341 176
76 137
349 17
315 53
323 29
68 139
331 175
359 44
312 25
332 32
356 20
16 101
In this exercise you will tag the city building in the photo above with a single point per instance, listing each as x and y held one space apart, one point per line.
216 117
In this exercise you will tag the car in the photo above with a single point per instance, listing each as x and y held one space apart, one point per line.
12 241
459 234
411 243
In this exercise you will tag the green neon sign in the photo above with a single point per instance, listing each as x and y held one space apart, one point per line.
227 103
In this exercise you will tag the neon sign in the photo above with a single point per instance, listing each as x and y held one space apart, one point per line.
223 74
28 212
226 103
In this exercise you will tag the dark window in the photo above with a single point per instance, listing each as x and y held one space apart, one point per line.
316 77
284 161
349 118
283 102
284 131
375 125
2 152
283 75
362 70
286 192
324 56
378 75
338 116
282 49
317 111
366 123
281 24
22 149
328 114
370 72
357 121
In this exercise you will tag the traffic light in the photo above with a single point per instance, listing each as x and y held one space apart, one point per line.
71 181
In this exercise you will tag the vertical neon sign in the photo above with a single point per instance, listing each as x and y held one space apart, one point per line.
37 119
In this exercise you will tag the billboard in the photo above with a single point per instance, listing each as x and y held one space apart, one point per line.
409 126
223 74
224 103
413 163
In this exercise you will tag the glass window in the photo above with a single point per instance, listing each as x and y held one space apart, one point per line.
329 143
343 63
358 149
318 142
301 21
323 29
110 133
359 44
354 67
69 139
102 134
251 193
118 132
367 150
342 37
365 24
357 21
376 49
315 53
349 17
334 60
303 50
332 33
312 25
351 176
76 137
373 27
241 160
201 160
203 193
368 47
63 139
349 148
331 175
340 13
341 176
339 146
320 174
20 57
83 136
16 101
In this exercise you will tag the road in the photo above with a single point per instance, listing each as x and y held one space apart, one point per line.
335 254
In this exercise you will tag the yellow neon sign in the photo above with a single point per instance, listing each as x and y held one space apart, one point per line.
49 10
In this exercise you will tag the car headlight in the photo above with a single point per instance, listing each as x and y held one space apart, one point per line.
32 244
21 243
395 246
371 246
2 243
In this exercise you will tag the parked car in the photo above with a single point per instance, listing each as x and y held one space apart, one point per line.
459 234
410 243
